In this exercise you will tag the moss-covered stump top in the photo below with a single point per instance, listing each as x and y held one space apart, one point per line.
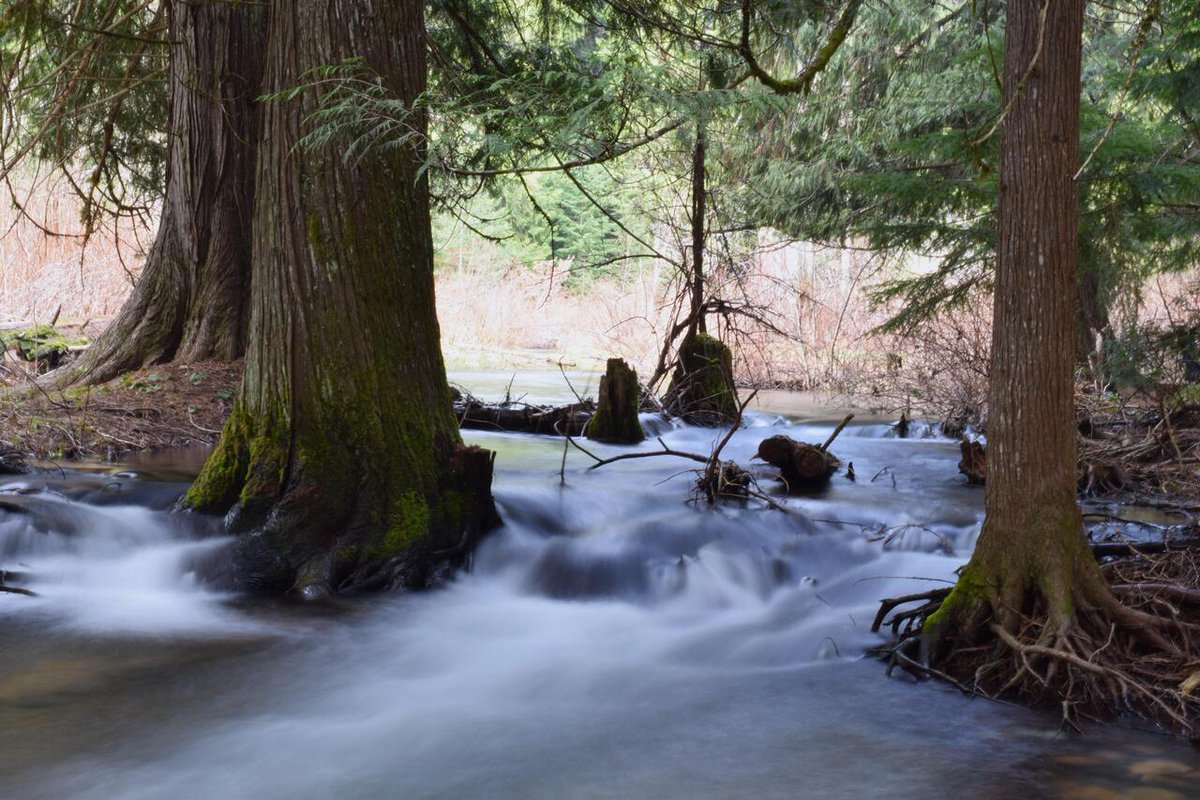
702 390
40 343
616 417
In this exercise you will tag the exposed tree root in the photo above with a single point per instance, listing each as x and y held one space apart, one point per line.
1140 655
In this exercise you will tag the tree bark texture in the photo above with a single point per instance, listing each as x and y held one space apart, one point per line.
699 213
342 452
191 301
1093 321
1032 551
616 417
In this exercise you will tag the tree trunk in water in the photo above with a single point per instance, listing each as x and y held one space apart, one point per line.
191 300
342 453
616 417
1033 557
702 390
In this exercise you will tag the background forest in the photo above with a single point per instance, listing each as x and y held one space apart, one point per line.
848 225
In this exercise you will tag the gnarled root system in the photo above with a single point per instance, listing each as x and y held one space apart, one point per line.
1134 648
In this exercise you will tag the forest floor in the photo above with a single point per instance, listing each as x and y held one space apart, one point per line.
166 406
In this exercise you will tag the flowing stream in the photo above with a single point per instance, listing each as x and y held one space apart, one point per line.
613 640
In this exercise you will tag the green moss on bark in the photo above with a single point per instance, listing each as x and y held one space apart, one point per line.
347 450
616 417
702 390
220 482
409 524
966 601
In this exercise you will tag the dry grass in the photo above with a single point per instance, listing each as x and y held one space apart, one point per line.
808 322
519 310
78 277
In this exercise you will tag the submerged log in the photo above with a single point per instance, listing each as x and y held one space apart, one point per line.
702 390
801 466
973 463
513 417
616 417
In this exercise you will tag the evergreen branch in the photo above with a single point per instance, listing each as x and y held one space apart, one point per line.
1020 87
608 153
802 83
1139 42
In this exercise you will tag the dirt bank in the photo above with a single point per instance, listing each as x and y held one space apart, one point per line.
172 405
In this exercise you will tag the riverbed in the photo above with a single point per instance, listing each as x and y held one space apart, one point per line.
615 639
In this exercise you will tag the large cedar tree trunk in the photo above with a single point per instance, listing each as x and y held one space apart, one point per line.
342 454
1033 556
191 301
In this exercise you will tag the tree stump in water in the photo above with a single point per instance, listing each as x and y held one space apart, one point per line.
616 417
702 390
801 466
974 462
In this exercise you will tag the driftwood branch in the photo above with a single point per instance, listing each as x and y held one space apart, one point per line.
666 451
835 433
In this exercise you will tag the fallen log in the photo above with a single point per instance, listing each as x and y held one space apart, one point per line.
1124 549
516 417
802 466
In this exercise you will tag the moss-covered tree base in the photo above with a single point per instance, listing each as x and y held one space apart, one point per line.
1050 632
313 520
702 390
616 417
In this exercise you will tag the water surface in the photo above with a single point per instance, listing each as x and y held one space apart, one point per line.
614 640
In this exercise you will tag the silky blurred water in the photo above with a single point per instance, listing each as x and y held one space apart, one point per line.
614 639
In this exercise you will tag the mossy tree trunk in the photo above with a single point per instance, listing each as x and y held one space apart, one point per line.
342 454
702 390
190 302
1033 558
616 417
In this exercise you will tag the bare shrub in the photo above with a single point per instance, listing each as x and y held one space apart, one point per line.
49 265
